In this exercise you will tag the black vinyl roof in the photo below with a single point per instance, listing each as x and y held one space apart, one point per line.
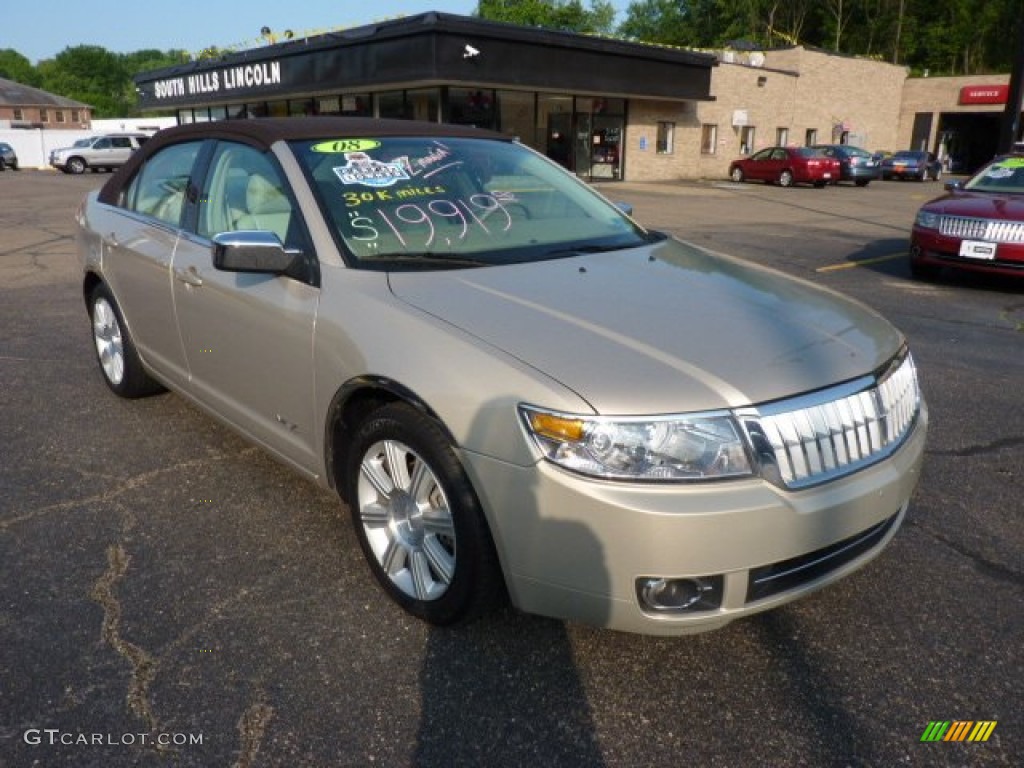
264 131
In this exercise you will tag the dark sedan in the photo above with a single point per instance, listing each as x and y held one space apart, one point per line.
855 164
912 164
786 166
8 157
977 225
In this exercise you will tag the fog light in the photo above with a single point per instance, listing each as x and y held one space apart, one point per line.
680 595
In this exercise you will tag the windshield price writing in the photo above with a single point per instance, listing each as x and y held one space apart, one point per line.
420 225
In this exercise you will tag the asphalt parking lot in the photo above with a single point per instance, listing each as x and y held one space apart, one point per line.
164 581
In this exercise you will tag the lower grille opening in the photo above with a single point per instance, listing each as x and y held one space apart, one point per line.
789 574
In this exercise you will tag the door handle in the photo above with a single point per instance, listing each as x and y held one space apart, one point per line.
189 276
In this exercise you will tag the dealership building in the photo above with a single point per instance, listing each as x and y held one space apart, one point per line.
608 109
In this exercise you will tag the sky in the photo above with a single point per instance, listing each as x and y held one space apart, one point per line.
40 29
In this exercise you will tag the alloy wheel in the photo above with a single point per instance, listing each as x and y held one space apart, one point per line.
408 523
106 332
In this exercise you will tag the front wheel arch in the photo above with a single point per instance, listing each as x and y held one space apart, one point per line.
354 401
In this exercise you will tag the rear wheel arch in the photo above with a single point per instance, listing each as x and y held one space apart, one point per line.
89 283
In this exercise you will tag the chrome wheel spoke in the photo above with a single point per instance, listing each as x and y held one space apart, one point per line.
374 515
395 454
422 580
438 521
440 558
394 557
374 471
421 483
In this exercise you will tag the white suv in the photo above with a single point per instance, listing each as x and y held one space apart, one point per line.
108 152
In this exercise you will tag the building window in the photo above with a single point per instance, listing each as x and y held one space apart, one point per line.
391 104
18 114
60 115
472 106
518 115
811 137
75 117
781 137
44 115
708 139
424 104
666 138
746 139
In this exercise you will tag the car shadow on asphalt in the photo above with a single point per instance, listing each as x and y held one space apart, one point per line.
505 690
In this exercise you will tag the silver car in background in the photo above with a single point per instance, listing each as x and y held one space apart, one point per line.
516 388
97 153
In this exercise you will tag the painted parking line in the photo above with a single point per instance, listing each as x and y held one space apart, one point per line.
860 262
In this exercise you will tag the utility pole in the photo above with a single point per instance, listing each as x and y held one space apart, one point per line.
1009 130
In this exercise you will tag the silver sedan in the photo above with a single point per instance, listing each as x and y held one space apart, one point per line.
518 390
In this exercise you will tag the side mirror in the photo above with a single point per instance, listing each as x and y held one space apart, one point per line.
626 208
252 251
952 186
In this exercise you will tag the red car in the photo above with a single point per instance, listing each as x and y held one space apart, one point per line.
787 166
977 224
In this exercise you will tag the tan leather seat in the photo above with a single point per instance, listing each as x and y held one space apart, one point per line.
267 208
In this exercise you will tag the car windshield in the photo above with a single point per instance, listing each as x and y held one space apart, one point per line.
907 154
856 152
409 202
1004 176
83 142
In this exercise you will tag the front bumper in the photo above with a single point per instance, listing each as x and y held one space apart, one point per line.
929 247
574 548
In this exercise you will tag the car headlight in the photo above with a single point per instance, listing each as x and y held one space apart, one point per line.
701 446
927 219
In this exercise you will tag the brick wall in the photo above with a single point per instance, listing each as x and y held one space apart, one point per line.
796 89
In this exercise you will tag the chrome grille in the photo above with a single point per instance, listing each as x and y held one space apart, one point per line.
818 437
991 230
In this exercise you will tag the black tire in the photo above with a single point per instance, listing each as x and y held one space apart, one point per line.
736 174
401 473
76 165
786 178
3 166
820 184
112 342
862 182
937 176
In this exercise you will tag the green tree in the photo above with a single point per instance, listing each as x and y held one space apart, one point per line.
90 74
567 15
14 66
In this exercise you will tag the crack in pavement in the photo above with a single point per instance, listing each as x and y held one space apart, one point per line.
252 727
979 450
998 571
144 666
131 484
31 249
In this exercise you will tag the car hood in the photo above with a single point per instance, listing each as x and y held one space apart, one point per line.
984 205
660 329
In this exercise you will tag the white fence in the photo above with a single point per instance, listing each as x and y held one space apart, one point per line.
33 145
